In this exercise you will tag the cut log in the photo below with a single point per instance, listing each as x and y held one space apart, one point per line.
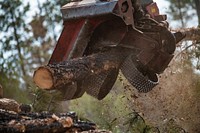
43 122
43 77
12 122
10 105
53 76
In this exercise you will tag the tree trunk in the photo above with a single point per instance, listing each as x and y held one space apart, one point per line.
197 3
180 13
57 75
19 50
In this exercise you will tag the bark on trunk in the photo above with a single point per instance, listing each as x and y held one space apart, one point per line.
57 75
12 121
197 3
9 104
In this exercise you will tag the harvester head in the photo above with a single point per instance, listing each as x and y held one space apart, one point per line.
92 26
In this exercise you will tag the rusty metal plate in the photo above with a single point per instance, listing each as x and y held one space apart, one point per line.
124 9
87 8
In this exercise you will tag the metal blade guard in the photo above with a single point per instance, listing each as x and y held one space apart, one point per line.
81 19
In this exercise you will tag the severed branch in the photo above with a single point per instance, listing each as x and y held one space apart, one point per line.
54 76
192 34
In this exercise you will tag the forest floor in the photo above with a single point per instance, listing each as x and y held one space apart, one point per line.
174 101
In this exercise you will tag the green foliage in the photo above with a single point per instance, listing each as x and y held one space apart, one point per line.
172 127
135 123
50 10
11 88
115 112
13 48
179 10
185 10
13 45
105 113
46 101
26 43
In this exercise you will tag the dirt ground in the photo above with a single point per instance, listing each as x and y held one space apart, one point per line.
176 98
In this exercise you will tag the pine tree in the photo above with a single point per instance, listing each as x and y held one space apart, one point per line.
13 46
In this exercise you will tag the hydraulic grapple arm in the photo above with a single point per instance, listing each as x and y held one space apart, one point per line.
92 27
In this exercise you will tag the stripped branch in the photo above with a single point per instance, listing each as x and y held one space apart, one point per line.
192 34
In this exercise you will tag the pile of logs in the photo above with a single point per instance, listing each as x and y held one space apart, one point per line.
18 118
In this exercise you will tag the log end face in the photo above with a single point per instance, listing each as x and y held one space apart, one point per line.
43 78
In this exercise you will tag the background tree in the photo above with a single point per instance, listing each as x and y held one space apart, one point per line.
184 11
197 6
14 48
25 43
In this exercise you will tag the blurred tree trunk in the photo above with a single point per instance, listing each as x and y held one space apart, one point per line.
19 50
180 13
197 3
